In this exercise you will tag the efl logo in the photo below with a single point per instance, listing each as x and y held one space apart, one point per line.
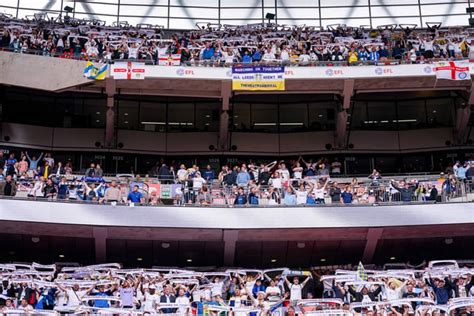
289 73
184 72
334 72
383 71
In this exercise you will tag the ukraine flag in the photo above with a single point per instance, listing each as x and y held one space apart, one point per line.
92 72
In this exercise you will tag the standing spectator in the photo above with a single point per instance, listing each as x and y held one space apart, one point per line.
90 172
8 187
59 170
33 161
336 167
112 193
63 189
289 199
23 165
346 195
164 174
45 171
98 172
241 197
406 192
49 190
243 177
335 193
209 174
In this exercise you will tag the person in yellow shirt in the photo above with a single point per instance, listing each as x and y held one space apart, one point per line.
353 56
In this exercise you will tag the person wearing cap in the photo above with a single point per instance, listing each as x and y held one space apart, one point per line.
150 299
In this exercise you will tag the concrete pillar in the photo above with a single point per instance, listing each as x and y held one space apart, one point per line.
373 236
226 91
341 123
230 238
110 115
463 115
100 241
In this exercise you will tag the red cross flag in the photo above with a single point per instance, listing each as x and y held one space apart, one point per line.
128 70
452 70
169 59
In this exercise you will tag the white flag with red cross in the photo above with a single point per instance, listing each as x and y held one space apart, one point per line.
169 60
452 70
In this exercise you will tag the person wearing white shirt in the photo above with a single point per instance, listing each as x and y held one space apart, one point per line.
273 292
296 288
184 303
269 55
302 193
151 298
198 182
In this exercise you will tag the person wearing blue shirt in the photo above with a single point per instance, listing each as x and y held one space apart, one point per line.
103 293
240 198
374 54
257 55
207 52
290 197
346 195
253 196
243 177
209 174
246 59
135 196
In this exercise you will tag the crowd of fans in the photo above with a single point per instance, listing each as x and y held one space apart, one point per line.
91 40
291 183
441 289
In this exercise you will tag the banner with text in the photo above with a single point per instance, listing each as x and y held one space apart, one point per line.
128 70
258 78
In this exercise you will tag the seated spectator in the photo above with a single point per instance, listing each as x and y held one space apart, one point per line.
135 196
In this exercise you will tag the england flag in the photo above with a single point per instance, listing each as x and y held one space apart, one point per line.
452 70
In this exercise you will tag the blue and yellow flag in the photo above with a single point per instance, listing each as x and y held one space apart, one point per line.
92 72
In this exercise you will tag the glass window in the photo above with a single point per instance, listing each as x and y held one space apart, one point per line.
8 10
264 117
242 3
207 116
293 117
182 24
344 3
241 116
244 14
392 2
395 20
181 117
297 3
196 13
127 114
194 3
322 116
411 114
344 12
152 116
440 112
395 11
143 12
297 14
47 5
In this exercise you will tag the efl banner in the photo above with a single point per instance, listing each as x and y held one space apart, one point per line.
258 78
128 70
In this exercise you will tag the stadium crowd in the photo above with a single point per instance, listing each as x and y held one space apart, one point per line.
291 183
441 289
287 45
